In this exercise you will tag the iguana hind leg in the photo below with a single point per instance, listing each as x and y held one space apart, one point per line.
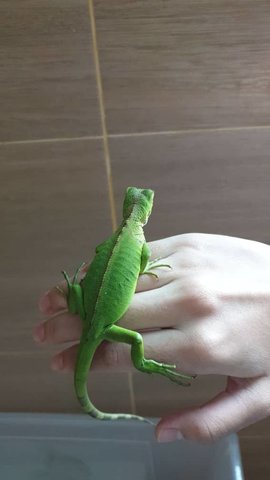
119 334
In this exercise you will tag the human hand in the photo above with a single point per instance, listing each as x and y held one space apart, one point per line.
210 314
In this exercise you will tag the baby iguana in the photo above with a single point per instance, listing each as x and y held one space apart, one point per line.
102 297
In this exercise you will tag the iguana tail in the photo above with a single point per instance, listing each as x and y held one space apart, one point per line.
83 363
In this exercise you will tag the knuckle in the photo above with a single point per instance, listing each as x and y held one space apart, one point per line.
208 345
50 330
203 431
191 239
264 406
198 300
258 397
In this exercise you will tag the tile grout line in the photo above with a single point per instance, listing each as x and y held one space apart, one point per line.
137 134
189 131
106 153
51 140
102 114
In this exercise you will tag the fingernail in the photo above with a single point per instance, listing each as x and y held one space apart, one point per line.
169 435
57 363
44 303
39 333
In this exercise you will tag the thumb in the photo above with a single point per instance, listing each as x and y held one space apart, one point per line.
245 401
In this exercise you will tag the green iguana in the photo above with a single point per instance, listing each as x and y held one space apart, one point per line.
102 297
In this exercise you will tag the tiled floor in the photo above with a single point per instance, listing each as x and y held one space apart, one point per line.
171 95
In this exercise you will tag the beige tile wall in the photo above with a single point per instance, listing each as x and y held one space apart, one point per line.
172 95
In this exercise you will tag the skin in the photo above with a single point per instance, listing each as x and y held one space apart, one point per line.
214 308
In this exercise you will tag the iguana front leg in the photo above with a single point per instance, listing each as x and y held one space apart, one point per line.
115 333
147 266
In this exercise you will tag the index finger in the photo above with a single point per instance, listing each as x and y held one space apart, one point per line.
54 300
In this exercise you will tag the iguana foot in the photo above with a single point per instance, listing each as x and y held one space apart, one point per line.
74 280
154 264
151 366
66 277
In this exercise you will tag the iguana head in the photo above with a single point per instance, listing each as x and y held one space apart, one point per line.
140 202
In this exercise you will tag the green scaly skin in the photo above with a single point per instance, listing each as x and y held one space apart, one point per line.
105 293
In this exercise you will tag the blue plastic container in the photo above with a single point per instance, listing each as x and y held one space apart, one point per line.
75 447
